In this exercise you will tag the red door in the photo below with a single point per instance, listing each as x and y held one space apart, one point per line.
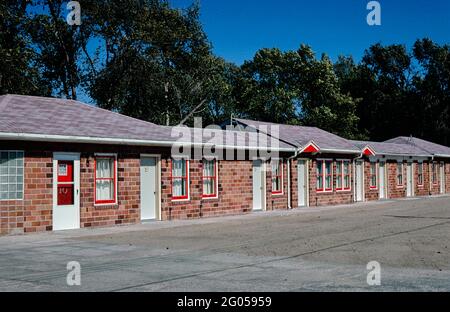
65 183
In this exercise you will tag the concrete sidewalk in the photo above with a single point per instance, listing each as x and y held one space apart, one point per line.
320 248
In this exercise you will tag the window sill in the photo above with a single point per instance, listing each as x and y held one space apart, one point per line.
106 205
210 197
180 200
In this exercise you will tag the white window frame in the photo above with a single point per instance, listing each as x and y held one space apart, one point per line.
188 179
281 164
420 165
371 187
399 186
116 182
324 161
343 189
216 185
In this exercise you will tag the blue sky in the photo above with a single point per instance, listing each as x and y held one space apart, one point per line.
237 29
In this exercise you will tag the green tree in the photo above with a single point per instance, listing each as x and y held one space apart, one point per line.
19 72
59 46
432 90
294 87
158 63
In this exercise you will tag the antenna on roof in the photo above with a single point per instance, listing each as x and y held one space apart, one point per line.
231 119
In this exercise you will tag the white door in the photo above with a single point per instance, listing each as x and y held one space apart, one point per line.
359 181
409 180
302 184
149 188
258 187
382 177
442 177
66 191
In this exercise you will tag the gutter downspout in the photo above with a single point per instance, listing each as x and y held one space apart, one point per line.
289 178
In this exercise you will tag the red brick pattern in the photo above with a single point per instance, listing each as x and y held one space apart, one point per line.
371 193
34 212
328 198
235 191
235 180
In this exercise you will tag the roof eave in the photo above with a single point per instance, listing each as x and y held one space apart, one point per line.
119 141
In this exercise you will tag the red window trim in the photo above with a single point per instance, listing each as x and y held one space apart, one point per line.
343 175
324 175
373 187
111 201
186 177
420 165
280 176
433 168
214 177
401 173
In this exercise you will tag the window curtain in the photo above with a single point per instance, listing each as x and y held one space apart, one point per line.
105 179
209 186
179 177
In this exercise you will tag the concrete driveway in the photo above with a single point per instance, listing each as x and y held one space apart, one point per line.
313 249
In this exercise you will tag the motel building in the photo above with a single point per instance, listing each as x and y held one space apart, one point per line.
68 165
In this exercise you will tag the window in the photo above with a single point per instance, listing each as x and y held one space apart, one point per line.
209 178
328 175
342 175
319 183
420 174
324 176
277 176
399 174
105 180
339 175
347 175
11 175
434 170
373 175
180 181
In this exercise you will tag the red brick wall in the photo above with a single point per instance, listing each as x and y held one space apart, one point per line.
395 191
235 191
235 184
276 201
435 188
34 212
424 189
329 198
447 177
127 209
370 194
294 183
